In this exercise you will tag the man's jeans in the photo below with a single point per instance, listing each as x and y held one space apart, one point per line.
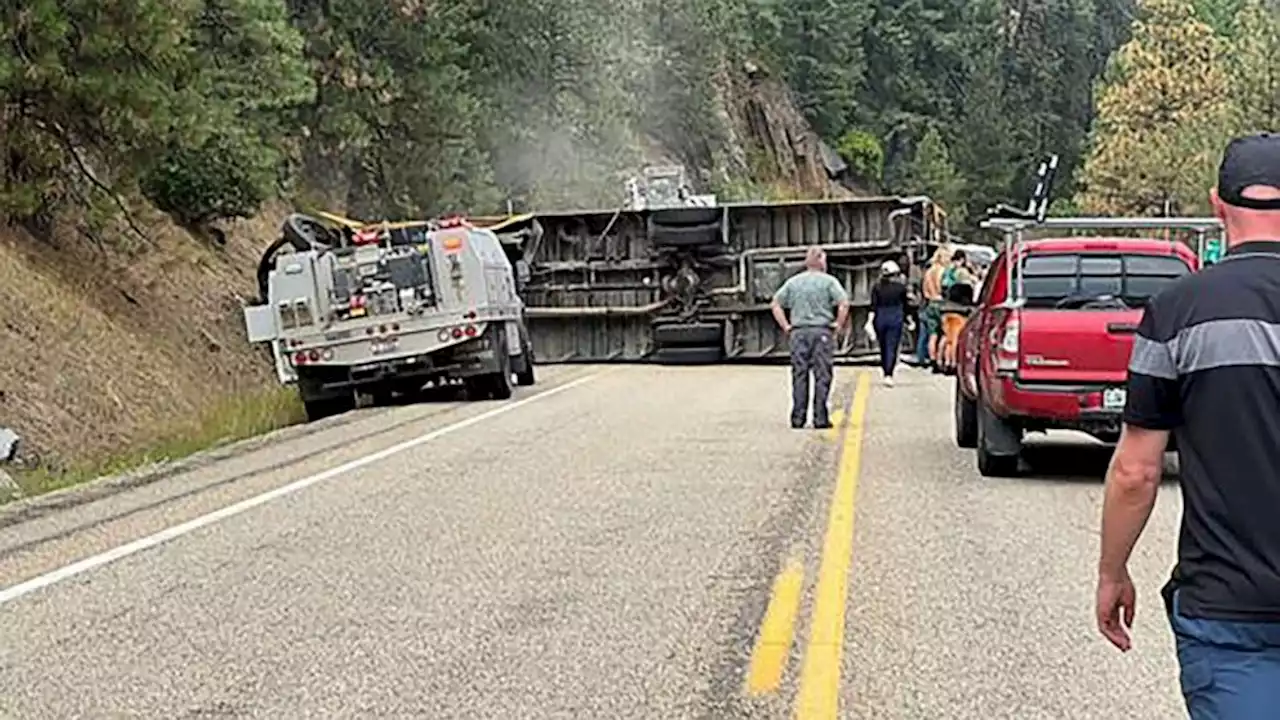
812 351
922 337
1230 670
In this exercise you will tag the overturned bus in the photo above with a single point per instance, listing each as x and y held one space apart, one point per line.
692 285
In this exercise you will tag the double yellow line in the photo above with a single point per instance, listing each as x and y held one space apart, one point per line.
819 691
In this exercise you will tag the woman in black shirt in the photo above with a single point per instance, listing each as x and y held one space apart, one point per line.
888 307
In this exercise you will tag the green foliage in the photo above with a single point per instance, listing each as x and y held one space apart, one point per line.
864 153
819 42
1253 67
1064 207
111 92
84 75
933 173
411 108
1218 14
226 177
1163 118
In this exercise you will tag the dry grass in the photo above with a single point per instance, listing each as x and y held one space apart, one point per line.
226 421
110 356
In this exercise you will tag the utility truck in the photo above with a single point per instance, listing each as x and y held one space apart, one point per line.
386 309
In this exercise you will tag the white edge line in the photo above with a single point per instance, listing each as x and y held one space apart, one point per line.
10 594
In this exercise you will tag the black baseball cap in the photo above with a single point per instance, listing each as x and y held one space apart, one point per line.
1248 161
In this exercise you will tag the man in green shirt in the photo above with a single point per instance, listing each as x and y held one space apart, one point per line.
819 306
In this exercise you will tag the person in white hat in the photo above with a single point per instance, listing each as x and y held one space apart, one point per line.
888 315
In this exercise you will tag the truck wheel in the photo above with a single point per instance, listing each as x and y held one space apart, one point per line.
321 408
688 335
966 419
686 227
495 385
685 235
689 355
500 385
382 395
525 376
992 431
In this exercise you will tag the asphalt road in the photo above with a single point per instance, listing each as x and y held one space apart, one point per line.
625 542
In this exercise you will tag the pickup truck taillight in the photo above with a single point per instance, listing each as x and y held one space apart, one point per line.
1007 350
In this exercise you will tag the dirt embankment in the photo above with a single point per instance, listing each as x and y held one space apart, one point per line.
101 348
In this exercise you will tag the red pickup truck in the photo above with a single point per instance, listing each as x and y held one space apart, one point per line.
1052 351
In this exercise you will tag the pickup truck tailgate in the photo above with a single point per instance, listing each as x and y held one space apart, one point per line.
1076 346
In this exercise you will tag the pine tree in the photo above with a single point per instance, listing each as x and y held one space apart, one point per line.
1219 14
824 60
933 173
249 70
1254 66
82 80
988 140
1161 118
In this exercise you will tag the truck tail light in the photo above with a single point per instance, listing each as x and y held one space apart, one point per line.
471 331
300 358
1008 349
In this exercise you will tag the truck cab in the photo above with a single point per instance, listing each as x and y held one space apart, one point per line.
385 309
1048 346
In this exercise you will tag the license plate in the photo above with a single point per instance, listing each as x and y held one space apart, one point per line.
381 347
1114 398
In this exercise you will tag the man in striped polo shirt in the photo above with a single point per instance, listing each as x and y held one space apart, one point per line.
1206 368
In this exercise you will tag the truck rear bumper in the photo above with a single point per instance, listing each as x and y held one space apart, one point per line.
1036 406
454 365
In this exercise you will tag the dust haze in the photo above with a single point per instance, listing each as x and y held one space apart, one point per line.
581 143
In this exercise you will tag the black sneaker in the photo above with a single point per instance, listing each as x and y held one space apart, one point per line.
823 425
797 425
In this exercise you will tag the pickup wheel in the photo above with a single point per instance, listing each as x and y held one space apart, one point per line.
966 419
993 431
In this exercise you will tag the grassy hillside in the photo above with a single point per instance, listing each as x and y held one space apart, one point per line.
111 356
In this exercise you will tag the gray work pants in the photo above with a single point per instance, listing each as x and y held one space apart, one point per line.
812 351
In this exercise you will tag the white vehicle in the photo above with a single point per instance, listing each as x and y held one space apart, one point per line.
387 309
663 186
980 255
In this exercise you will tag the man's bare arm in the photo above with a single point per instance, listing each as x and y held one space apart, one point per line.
842 314
1133 479
780 315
